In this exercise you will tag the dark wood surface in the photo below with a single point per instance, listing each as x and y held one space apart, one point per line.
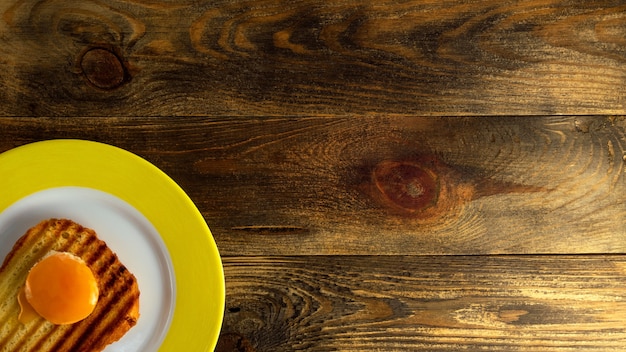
378 175
273 57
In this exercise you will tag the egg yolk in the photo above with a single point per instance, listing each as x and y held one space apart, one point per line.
61 288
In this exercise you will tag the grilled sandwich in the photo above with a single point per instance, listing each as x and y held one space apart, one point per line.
115 312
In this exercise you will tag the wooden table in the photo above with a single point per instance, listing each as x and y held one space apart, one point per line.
378 175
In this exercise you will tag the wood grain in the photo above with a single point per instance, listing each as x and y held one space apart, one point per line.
314 58
383 303
505 185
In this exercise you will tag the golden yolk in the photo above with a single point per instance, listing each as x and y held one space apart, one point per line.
27 313
61 288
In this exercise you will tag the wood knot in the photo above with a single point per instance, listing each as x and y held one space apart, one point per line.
409 186
423 188
103 68
426 188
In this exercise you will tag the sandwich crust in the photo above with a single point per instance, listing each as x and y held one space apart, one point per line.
115 313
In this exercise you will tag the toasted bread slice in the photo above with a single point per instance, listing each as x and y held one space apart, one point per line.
117 309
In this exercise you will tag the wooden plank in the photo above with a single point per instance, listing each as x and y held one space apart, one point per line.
383 185
407 303
285 58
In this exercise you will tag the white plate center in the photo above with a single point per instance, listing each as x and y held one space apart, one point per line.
127 232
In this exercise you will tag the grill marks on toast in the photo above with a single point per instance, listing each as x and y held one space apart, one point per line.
118 291
17 336
102 324
112 287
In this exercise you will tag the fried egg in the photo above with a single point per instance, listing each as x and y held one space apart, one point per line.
60 288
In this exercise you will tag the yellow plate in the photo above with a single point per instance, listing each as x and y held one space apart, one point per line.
199 277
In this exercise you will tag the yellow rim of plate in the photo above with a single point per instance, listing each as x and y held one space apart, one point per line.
200 290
